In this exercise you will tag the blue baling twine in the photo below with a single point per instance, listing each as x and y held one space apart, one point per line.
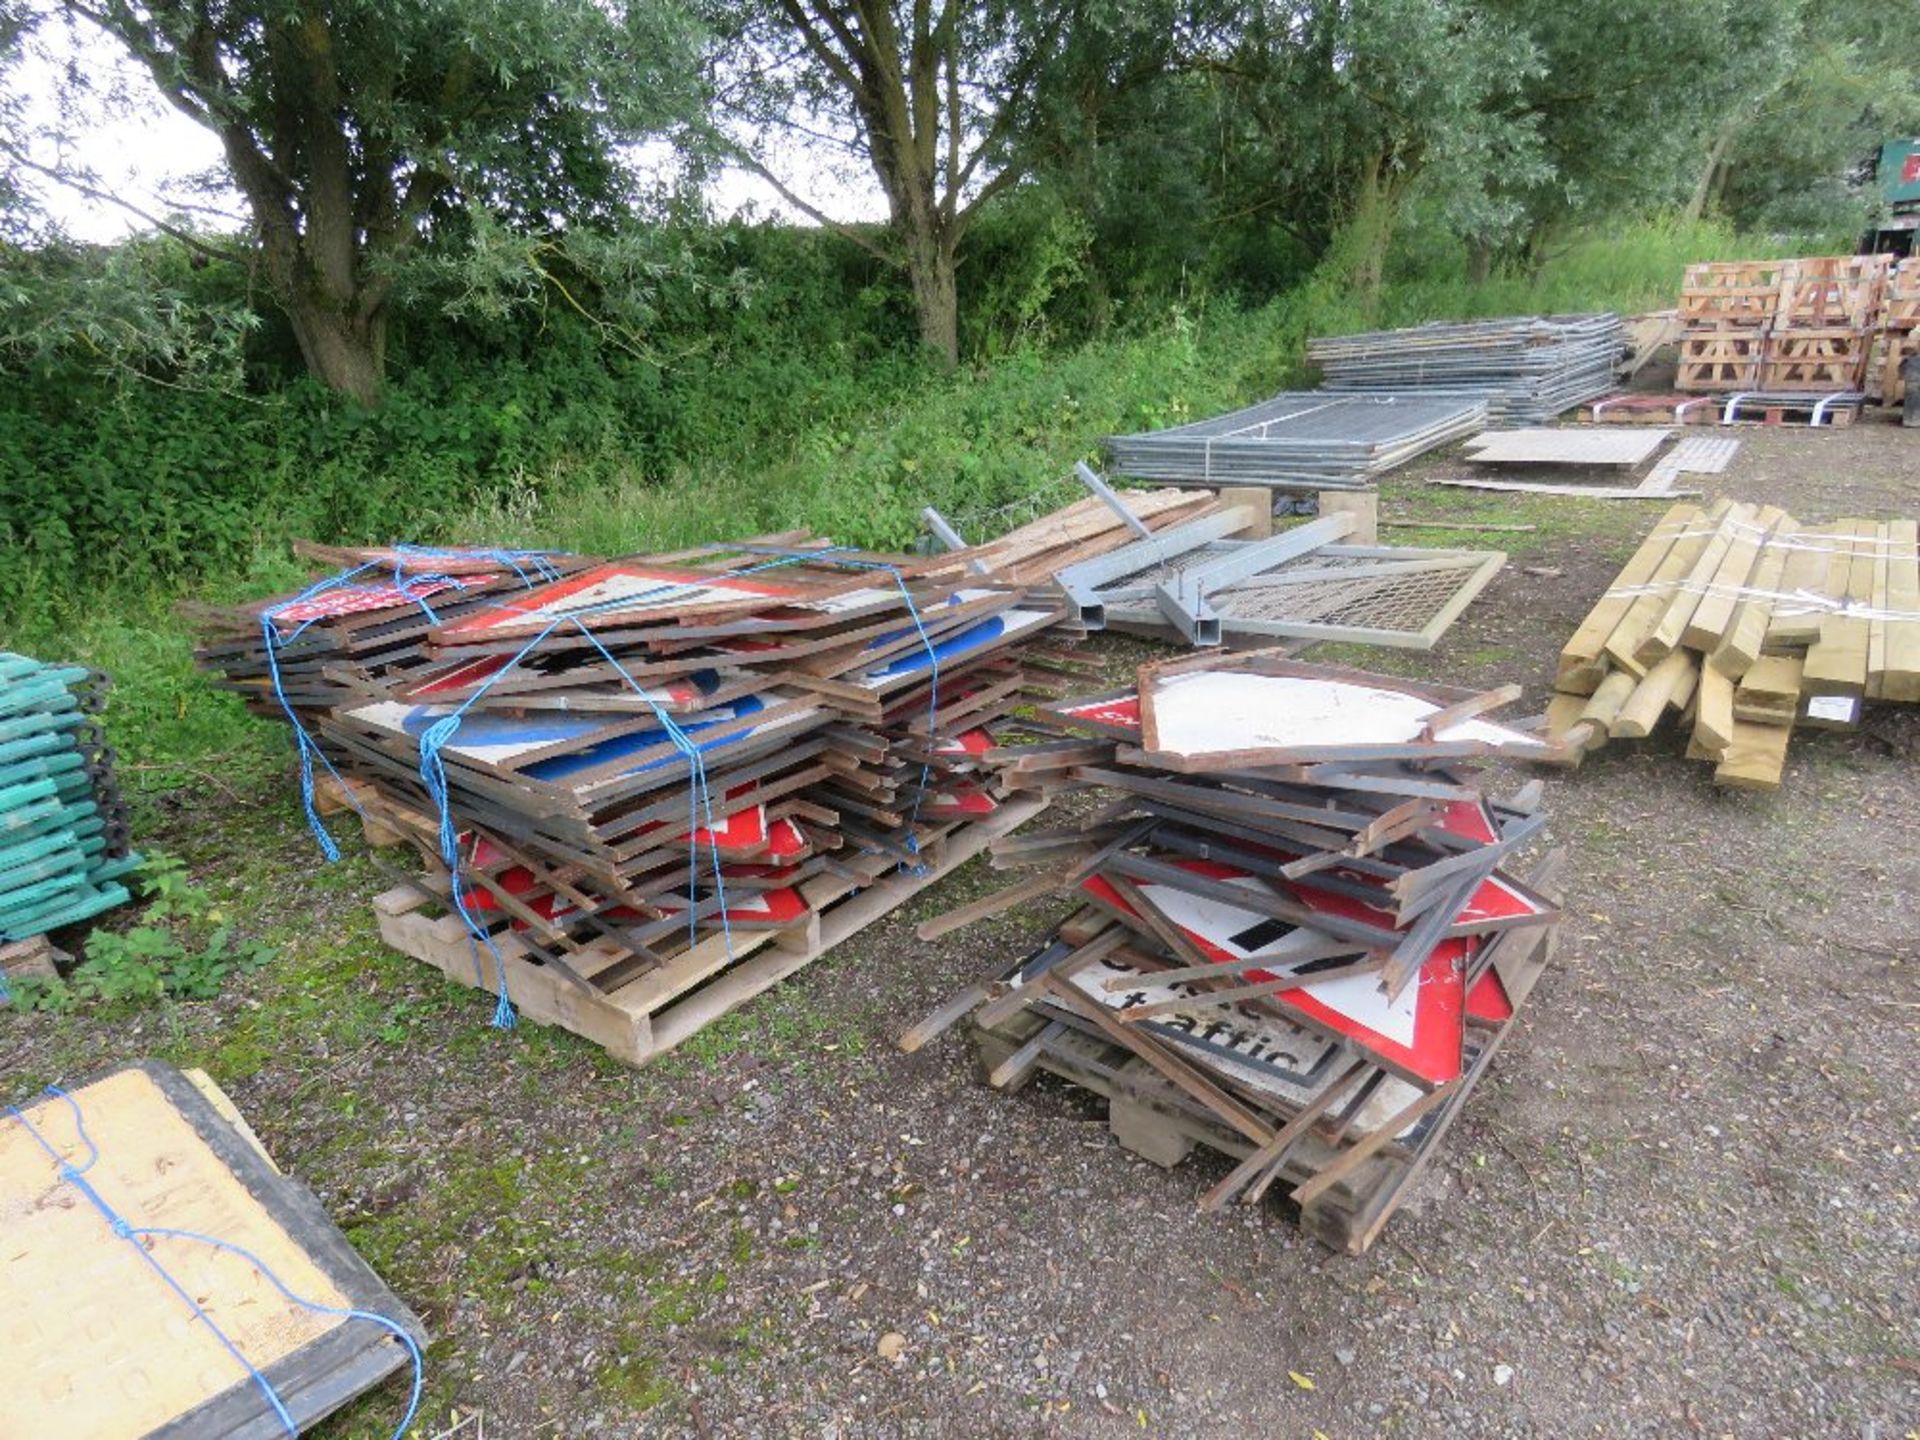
433 775
75 1175
308 747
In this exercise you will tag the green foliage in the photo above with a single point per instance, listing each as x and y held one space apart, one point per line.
130 313
183 949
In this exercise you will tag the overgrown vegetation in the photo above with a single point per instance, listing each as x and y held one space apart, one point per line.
183 948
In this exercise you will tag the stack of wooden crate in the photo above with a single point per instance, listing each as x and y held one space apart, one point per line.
1801 326
1899 338
1743 623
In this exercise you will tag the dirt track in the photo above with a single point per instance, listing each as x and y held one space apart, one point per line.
1684 1203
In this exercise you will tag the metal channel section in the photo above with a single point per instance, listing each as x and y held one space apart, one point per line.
1084 582
1183 598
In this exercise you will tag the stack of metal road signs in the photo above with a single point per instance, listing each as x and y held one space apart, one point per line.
1296 929
63 826
1299 441
1526 369
627 775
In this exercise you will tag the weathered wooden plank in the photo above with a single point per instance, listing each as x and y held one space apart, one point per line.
1670 683
1755 757
1650 597
1713 616
1746 634
1671 624
1713 716
1900 678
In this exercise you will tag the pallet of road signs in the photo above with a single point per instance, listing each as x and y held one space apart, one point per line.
64 853
645 789
163 1279
1805 326
1297 909
1735 623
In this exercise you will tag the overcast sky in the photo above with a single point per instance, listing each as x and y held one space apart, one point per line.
155 158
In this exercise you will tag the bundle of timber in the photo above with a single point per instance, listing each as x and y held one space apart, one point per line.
1803 326
630 777
1743 622
1527 369
63 825
1294 935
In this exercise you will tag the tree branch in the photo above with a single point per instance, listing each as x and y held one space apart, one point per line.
813 212
94 192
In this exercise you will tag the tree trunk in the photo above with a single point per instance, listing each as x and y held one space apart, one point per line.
930 266
1706 186
345 353
1358 254
1479 261
936 297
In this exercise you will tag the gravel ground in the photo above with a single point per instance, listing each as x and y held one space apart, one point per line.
1683 1202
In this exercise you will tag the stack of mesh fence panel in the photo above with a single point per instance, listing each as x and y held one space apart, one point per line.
1308 440
63 826
1526 369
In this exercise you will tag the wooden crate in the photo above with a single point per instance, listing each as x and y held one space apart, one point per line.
1723 294
1895 348
1720 360
1902 309
647 1016
1815 360
1832 293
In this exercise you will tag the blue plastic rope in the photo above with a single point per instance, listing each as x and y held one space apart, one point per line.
433 776
75 1175
308 747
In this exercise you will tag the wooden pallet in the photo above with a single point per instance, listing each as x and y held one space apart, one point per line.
1723 293
1159 1122
1814 360
1629 409
1720 360
647 1016
34 958
1885 382
1902 308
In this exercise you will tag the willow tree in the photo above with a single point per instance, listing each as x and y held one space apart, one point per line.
353 129
945 104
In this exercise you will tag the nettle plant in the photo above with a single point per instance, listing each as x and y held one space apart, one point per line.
183 949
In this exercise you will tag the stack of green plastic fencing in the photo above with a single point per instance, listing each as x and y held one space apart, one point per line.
63 826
